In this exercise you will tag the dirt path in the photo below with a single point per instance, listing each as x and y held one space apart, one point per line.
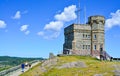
18 72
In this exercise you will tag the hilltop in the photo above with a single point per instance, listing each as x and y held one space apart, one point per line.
74 66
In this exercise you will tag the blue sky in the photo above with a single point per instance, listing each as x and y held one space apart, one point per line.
33 28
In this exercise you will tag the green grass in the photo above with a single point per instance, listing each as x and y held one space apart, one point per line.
94 66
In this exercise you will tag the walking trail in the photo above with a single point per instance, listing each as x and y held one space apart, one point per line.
19 71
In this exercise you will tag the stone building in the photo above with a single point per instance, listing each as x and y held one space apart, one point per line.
85 39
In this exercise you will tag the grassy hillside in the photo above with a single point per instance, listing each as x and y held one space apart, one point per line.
67 66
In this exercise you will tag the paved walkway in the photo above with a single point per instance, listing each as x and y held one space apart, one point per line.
18 72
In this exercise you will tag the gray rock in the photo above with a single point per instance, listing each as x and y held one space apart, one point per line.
49 64
77 64
51 55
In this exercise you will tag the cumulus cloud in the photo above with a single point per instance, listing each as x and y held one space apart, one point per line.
24 28
41 33
50 35
2 24
68 14
17 15
55 35
55 26
114 20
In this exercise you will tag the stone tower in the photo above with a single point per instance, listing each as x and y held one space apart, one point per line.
85 39
97 33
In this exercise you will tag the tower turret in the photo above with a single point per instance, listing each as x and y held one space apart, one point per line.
97 22
97 33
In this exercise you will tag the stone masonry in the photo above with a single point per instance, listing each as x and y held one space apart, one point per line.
85 39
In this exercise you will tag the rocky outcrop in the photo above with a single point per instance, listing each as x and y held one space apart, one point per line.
77 64
50 63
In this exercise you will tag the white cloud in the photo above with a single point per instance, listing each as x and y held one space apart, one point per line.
54 25
24 27
17 15
52 36
114 20
49 35
41 33
27 32
2 24
55 35
68 14
53 28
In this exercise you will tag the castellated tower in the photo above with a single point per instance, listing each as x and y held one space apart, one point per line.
97 33
85 39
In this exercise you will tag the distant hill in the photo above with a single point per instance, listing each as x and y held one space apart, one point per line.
13 61
75 66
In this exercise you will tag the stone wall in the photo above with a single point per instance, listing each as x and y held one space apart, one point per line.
80 52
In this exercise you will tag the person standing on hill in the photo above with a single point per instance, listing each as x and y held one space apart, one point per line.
26 64
29 65
23 67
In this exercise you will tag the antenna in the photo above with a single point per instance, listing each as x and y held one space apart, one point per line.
85 14
78 13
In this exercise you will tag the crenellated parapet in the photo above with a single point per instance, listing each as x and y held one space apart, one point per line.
96 19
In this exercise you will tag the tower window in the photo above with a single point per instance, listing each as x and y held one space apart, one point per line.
83 46
83 35
94 47
88 46
95 36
